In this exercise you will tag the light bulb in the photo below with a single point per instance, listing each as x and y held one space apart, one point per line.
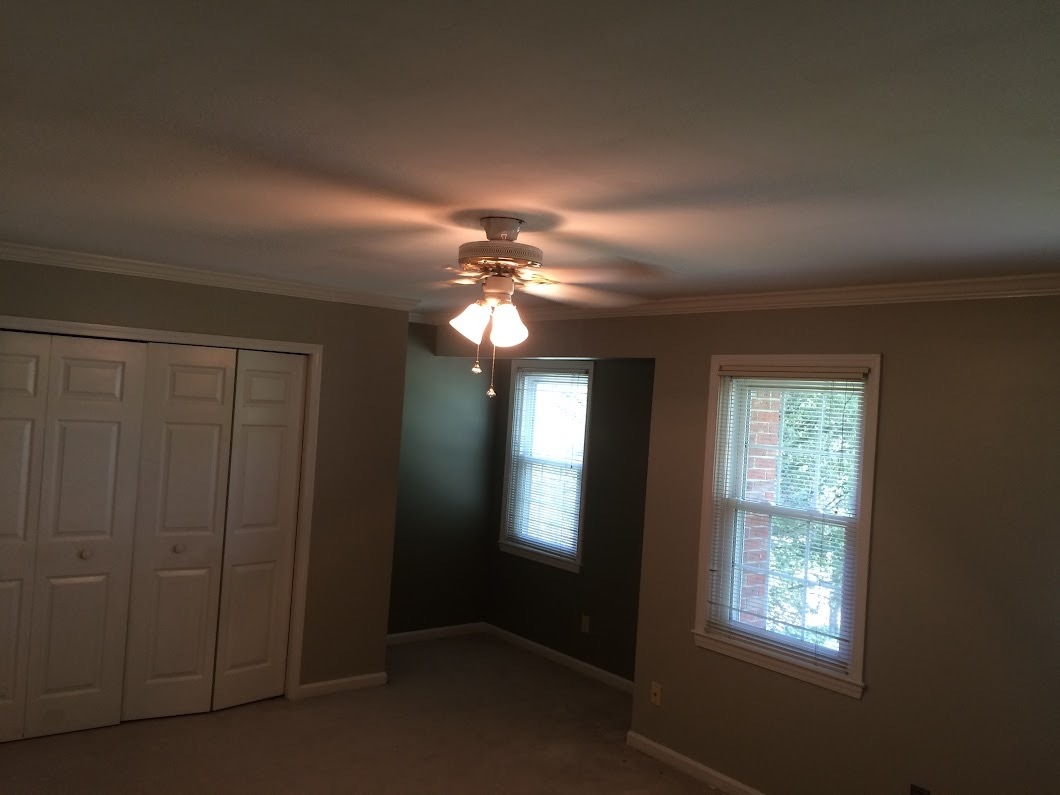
508 328
472 321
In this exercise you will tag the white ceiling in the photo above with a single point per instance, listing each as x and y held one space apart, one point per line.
737 146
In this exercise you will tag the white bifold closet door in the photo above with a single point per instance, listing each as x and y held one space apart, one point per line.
260 528
23 407
148 507
180 525
84 538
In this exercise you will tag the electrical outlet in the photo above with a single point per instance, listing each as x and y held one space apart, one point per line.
656 694
585 624
917 790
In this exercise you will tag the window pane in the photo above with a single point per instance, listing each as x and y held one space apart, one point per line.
546 497
556 426
545 462
801 445
820 442
789 577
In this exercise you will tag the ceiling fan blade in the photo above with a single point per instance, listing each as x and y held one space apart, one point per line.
613 272
465 275
733 194
343 172
332 234
607 250
581 296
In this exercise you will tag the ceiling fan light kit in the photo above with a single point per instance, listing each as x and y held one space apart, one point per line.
499 263
472 321
508 328
502 264
496 305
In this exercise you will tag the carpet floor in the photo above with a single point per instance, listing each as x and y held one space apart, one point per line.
459 715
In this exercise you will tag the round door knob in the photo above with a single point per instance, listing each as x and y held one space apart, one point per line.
178 548
85 553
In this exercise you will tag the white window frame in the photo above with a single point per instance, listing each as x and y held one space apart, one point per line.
507 544
807 367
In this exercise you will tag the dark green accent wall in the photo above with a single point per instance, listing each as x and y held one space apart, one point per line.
440 555
545 603
447 566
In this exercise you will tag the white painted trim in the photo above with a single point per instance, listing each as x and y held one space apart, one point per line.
797 365
435 633
848 686
46 326
1027 286
315 354
174 273
688 766
510 543
304 526
576 665
906 292
330 686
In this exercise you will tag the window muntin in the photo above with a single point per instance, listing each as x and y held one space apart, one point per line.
788 529
546 459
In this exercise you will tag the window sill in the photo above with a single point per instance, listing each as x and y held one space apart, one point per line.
541 557
840 684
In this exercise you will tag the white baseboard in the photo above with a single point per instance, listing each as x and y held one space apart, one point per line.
689 766
579 666
477 627
329 686
451 631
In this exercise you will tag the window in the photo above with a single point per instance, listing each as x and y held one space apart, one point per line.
545 471
787 504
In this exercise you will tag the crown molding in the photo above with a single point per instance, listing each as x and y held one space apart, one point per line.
175 273
1025 286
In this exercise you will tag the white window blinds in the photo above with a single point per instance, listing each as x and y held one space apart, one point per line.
546 459
787 487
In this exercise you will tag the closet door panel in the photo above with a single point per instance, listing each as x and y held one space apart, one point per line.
84 544
12 648
24 360
16 462
260 528
179 531
73 655
184 625
84 476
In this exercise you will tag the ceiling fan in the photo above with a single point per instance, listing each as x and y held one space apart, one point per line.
502 265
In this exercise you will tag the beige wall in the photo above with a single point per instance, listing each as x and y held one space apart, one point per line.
360 425
962 642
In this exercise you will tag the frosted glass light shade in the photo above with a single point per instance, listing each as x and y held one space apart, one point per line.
508 328
472 321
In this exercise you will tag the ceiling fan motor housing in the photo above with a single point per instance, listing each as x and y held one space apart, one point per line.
500 254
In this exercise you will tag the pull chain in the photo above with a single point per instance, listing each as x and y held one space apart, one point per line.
491 392
476 368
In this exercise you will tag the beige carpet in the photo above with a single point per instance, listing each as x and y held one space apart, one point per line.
462 715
